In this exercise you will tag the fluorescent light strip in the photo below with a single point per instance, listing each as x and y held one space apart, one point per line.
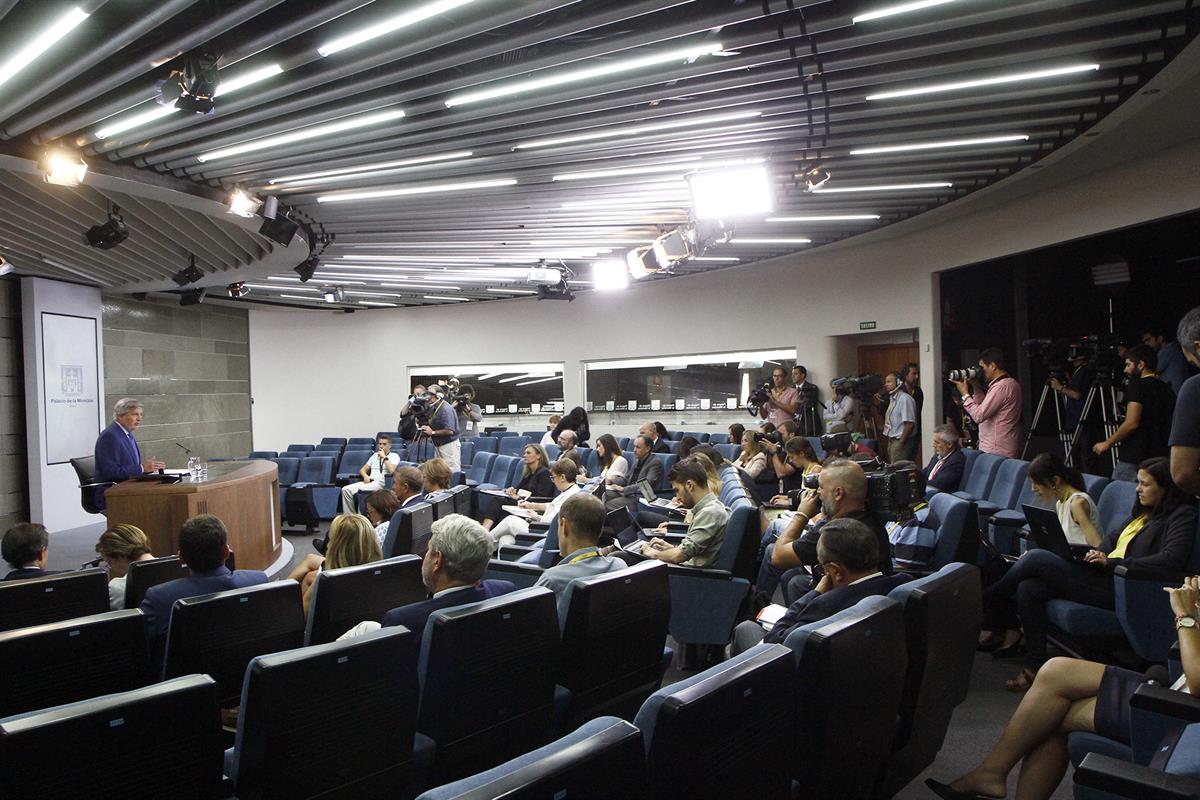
745 240
541 380
271 288
522 377
297 280
299 297
317 177
512 291
411 190
303 134
389 25
632 130
894 187
1012 78
677 166
901 148
247 78
903 8
390 285
42 42
831 218
726 259
440 297
382 305
506 89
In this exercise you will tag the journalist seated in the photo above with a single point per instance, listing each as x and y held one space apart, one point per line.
648 469
802 460
840 411
580 522
535 482
120 546
26 548
753 457
945 470
203 547
848 553
563 475
352 541
656 432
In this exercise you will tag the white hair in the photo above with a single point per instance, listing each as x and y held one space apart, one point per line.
126 405
464 544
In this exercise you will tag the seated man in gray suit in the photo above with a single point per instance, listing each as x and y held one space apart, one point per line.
580 521
203 547
648 468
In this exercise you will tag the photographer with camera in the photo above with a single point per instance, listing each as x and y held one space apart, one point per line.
775 448
440 424
840 411
782 401
995 405
1074 388
469 414
900 420
1149 405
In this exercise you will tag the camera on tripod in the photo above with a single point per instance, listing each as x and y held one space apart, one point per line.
864 387
758 398
965 374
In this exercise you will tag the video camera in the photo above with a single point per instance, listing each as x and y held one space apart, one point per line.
758 398
891 492
774 438
864 387
1100 352
840 443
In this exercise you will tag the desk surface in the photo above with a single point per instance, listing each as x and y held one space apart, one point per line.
221 473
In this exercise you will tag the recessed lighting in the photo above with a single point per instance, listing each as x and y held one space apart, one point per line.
1010 78
632 130
903 8
389 25
368 169
755 240
401 191
303 134
829 218
900 148
42 42
558 78
893 187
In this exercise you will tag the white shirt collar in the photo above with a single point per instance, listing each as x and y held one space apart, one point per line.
875 574
453 589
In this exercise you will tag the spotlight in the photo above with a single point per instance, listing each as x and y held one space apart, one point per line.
307 267
731 193
6 266
242 204
333 294
192 297
189 275
107 235
236 290
671 247
191 86
815 178
643 261
62 168
278 228
610 275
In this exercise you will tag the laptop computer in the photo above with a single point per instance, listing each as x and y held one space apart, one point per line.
653 499
1046 532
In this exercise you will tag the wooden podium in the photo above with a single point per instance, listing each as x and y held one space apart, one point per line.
244 494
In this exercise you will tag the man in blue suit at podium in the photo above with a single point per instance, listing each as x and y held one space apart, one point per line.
117 455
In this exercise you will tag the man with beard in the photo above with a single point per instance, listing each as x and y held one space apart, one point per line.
1149 405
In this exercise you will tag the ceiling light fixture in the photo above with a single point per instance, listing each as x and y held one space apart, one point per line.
303 134
901 148
307 267
62 167
540 380
109 234
333 294
505 89
191 297
441 297
893 187
241 204
298 297
327 175
41 42
236 290
731 193
998 79
402 191
829 218
682 167
389 25
376 303
633 130
610 275
903 8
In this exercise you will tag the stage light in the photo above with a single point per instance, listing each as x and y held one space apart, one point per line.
902 148
191 297
62 168
242 205
642 262
41 42
109 234
303 134
6 266
191 86
402 191
307 267
972 84
236 290
902 8
333 294
610 275
280 229
190 274
672 247
731 193
815 178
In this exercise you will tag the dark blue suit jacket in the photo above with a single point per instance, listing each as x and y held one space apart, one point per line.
159 601
814 607
117 457
30 572
414 615
950 475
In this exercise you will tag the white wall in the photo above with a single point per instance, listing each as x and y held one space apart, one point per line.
319 373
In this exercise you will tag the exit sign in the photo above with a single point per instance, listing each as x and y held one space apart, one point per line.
867 326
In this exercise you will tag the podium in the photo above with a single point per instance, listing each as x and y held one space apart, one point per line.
244 494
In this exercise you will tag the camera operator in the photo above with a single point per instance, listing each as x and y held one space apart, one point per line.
995 406
442 429
789 476
1073 392
783 401
469 414
1149 404
840 411
900 420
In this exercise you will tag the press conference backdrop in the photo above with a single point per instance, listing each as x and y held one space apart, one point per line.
72 386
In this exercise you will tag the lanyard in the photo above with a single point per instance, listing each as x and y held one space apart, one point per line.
584 557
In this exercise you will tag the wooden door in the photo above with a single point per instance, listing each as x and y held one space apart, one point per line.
884 358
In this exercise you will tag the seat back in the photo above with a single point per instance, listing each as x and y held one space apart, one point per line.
850 676
352 461
464 652
689 726
316 469
983 475
64 662
512 445
442 503
333 450
421 450
351 737
486 444
365 441
481 463
613 640
624 442
271 454
466 451
144 574
954 514
69 751
37 601
341 598
942 614
552 452
506 470
300 448
338 440
668 462
409 531
518 574
1094 485
603 759
729 451
503 434
85 471
718 438
1010 479
699 436
462 499
672 445
1116 501
219 633
969 456
289 468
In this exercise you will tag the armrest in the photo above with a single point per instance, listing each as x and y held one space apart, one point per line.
680 571
1135 573
529 539
532 499
1125 779
1161 700
512 552
541 528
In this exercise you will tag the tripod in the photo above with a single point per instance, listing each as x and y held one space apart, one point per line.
1064 437
808 419
1108 415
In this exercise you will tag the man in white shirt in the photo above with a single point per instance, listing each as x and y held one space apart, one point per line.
899 421
563 473
382 463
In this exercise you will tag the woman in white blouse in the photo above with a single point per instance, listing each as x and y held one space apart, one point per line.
120 546
1051 479
613 466
753 459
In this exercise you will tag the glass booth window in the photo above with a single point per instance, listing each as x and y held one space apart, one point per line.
701 381
501 388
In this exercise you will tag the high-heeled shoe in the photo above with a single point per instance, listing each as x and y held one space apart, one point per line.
990 644
1014 650
944 791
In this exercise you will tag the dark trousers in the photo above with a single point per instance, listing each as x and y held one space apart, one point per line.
1038 577
770 577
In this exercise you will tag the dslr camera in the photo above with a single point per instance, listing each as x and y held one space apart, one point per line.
840 443
965 374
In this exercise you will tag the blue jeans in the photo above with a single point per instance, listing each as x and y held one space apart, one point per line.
1125 472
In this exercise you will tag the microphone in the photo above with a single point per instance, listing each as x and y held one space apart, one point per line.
184 449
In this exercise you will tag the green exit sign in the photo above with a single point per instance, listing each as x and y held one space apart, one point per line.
867 326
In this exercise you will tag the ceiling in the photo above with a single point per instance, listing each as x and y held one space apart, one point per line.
453 118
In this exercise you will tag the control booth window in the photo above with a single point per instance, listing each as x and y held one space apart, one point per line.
501 388
686 382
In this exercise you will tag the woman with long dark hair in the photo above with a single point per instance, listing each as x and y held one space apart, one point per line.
575 420
613 465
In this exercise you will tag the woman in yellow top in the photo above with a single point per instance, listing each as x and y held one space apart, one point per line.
1158 534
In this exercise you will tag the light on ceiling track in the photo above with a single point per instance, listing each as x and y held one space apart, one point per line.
682 167
445 297
717 259
829 218
305 268
189 274
62 167
303 134
992 81
389 25
41 42
731 193
241 204
633 130
236 290
327 175
375 303
540 380
269 288
901 148
765 240
297 297
902 8
610 275
333 294
890 187
402 191
505 89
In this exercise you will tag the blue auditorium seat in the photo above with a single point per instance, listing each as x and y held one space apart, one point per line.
705 602
263 454
983 475
300 448
663 489
38 601
409 531
1005 489
342 598
954 517
340 441
729 451
481 464
334 450
552 452
365 441
512 445
625 442
289 468
421 450
725 732
503 434
349 465
699 436
672 446
815 441
486 444
1094 485
1007 525
313 497
969 456
718 438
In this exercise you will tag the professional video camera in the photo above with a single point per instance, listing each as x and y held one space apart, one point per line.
416 416
864 387
460 399
758 398
774 438
965 374
1101 354
839 443
891 492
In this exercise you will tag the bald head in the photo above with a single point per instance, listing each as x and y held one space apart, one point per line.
843 487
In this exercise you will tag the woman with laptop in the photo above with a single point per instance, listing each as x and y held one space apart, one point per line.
1158 534
1053 481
